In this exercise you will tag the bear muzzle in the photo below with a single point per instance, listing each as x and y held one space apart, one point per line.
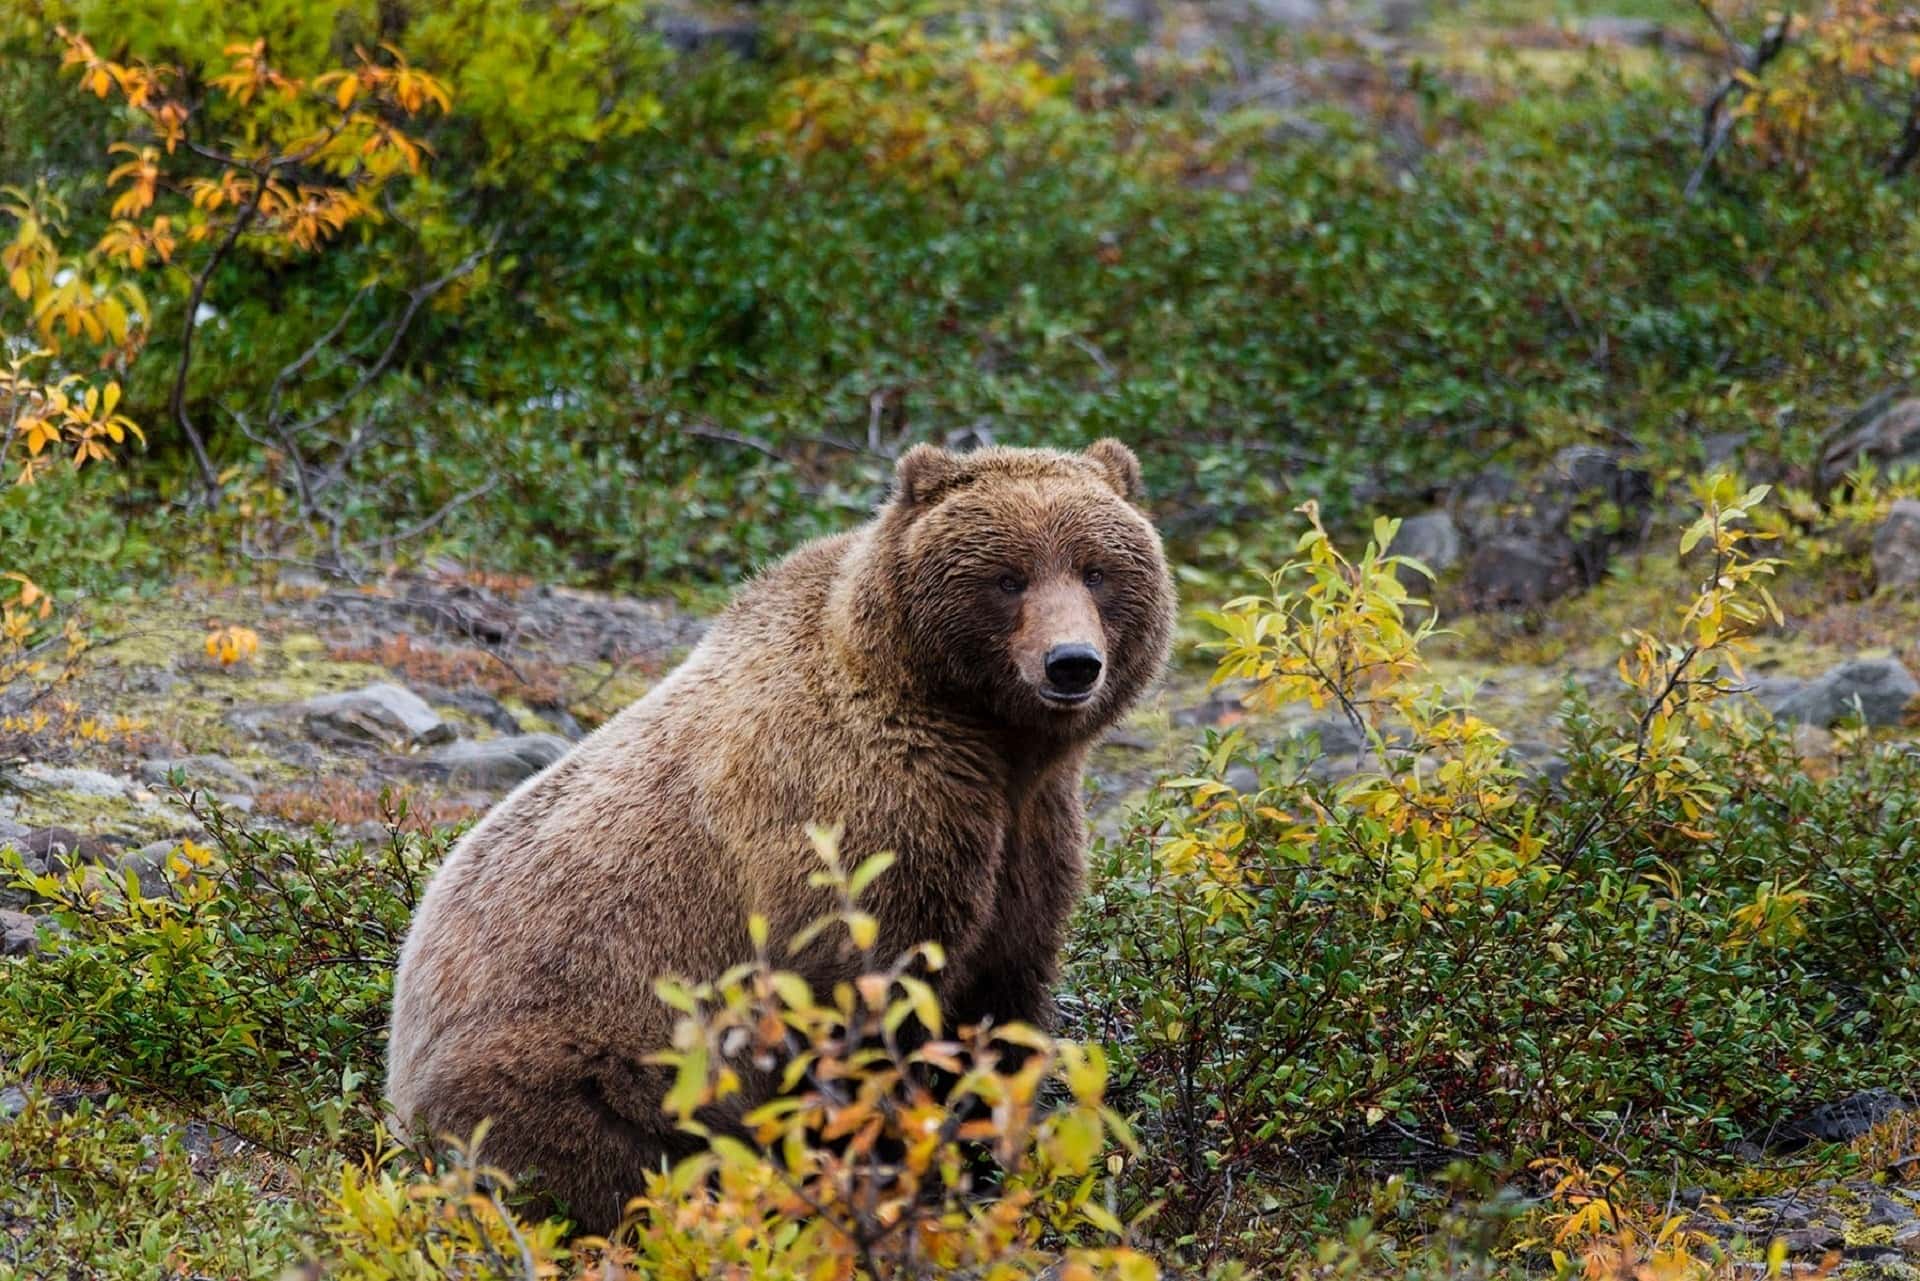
1073 674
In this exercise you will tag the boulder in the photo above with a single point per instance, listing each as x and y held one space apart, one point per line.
1616 29
34 777
495 762
1845 1120
1885 431
1877 690
149 867
51 851
687 32
1520 571
383 715
1222 707
19 935
1896 548
1430 538
207 773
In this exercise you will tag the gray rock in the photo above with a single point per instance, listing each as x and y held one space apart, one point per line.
1885 431
495 762
1222 705
1539 759
1287 13
686 32
1335 736
35 777
1605 28
1813 1242
1130 740
1877 690
1784 1212
1885 1212
1896 548
1243 778
381 715
1520 571
1430 538
1908 1239
209 773
1845 1120
19 934
149 867
478 704
51 851
13 1101
1479 508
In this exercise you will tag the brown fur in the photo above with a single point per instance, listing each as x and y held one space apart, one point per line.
884 679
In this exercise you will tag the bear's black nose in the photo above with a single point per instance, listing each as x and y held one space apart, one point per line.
1072 669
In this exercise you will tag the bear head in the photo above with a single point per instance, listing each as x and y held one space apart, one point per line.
1026 584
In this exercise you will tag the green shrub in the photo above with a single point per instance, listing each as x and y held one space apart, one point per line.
1688 938
259 981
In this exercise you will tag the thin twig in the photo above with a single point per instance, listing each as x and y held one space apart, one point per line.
177 402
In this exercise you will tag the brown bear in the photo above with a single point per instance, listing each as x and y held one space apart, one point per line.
932 682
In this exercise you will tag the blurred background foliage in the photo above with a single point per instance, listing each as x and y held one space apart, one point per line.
731 262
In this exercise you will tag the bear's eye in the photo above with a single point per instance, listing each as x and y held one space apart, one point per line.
1093 578
1012 584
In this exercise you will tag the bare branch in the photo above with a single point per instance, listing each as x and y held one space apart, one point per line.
416 299
177 402
420 527
1717 119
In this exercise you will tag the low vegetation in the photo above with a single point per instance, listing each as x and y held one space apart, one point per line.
616 295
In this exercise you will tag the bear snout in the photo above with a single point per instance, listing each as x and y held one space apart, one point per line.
1073 672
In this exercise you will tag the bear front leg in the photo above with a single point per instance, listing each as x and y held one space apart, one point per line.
1011 977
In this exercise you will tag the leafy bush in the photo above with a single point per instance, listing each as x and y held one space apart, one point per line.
717 300
258 980
1433 959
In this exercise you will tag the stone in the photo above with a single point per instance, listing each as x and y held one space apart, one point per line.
1130 740
1223 707
1615 29
1520 571
1896 548
35 777
1334 735
13 1101
1539 759
1908 1239
1287 13
1243 778
149 867
1814 1241
19 934
1430 538
51 851
495 762
692 33
1479 507
1876 690
1784 1212
207 773
478 704
1845 1120
1885 1212
1885 432
381 715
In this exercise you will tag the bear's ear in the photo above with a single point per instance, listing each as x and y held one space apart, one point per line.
922 473
1121 467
